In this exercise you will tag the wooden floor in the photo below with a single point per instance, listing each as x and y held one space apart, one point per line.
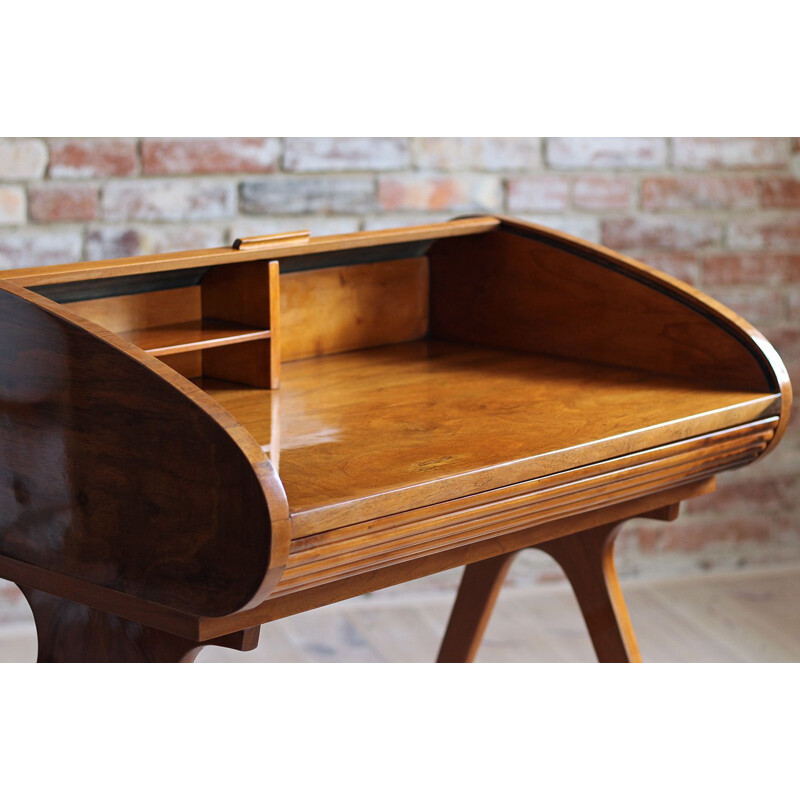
752 616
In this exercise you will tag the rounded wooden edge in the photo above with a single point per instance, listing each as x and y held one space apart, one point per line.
276 502
758 345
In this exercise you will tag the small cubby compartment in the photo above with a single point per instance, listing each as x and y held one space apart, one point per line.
215 322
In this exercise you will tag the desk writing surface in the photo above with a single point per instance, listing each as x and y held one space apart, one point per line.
424 421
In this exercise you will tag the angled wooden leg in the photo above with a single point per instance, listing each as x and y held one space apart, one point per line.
71 632
587 558
475 601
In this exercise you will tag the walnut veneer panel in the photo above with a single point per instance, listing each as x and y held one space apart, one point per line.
129 312
379 431
100 447
507 289
182 337
358 548
345 308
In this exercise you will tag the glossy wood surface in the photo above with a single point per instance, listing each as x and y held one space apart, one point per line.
408 569
100 448
247 294
129 312
270 239
379 431
355 549
670 326
201 334
332 310
507 290
69 632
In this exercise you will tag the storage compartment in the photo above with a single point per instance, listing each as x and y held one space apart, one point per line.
219 322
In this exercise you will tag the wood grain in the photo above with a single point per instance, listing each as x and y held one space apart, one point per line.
477 595
354 549
409 569
101 446
68 632
587 558
507 290
199 334
375 432
128 312
244 294
348 308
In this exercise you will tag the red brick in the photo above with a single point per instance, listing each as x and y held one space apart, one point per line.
170 200
209 156
123 241
782 193
752 268
35 248
320 154
317 224
780 233
584 227
699 191
796 144
793 302
735 492
606 152
22 159
545 193
469 152
663 233
402 219
435 193
755 304
694 535
683 266
12 205
637 536
786 340
53 203
718 153
93 158
599 193
318 194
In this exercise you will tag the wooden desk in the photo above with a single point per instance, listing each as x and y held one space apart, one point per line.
197 443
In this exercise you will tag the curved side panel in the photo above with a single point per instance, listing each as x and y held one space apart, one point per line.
530 288
117 471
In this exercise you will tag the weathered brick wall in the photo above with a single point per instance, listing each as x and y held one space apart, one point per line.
723 214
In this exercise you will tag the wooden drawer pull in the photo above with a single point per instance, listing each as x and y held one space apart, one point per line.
256 242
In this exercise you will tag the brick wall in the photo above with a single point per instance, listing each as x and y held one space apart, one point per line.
722 214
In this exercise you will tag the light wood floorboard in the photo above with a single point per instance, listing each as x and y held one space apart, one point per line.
749 616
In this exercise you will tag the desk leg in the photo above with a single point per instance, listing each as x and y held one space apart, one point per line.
587 558
70 632
477 594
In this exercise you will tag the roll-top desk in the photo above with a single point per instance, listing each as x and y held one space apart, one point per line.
197 443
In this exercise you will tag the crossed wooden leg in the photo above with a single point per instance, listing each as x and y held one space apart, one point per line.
474 604
587 558
71 632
